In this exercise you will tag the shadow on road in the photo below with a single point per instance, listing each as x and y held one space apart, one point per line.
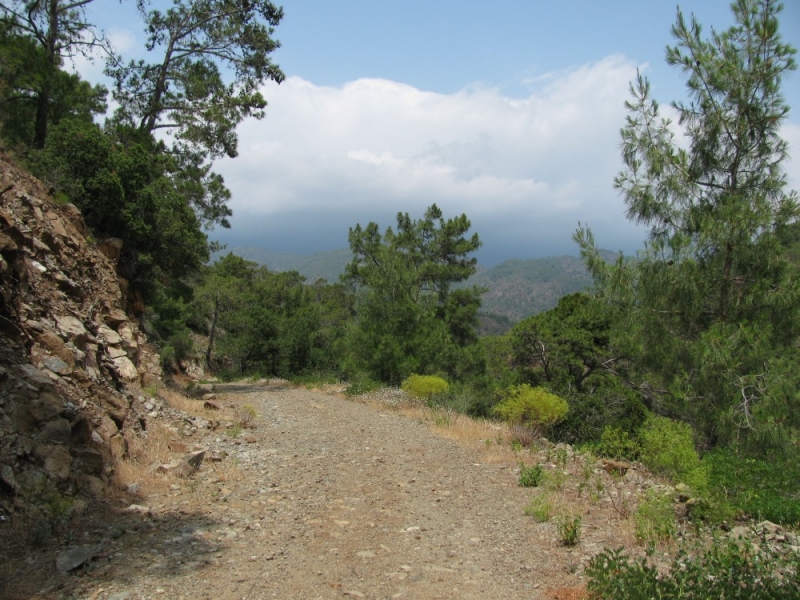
173 543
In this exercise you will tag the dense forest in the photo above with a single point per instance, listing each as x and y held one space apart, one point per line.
691 347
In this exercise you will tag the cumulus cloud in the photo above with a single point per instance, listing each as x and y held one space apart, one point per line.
525 170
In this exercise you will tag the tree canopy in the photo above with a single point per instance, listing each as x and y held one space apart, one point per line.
711 306
35 38
410 319
210 58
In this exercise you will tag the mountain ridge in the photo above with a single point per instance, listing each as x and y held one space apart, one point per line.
517 288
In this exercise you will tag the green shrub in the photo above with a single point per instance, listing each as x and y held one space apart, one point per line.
531 476
424 386
539 508
733 571
247 415
618 444
531 407
361 385
569 529
182 343
609 404
654 518
315 378
668 450
167 355
763 489
234 430
460 397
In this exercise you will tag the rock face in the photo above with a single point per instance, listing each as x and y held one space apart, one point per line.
71 358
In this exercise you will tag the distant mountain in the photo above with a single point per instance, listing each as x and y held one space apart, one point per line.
322 265
517 288
520 288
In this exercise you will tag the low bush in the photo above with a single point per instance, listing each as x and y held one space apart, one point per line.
424 387
531 476
315 378
763 489
360 386
539 508
654 518
618 444
247 415
732 570
668 450
531 407
569 529
609 404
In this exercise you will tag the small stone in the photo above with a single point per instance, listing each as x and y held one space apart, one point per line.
74 557
138 509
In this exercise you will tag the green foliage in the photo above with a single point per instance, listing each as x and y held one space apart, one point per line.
410 319
532 407
125 190
184 89
424 386
234 430
710 310
361 385
667 448
531 476
266 323
568 345
35 39
22 79
540 508
763 489
618 444
730 570
246 415
569 350
569 529
609 404
654 519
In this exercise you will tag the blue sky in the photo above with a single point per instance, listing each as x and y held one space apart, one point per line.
507 111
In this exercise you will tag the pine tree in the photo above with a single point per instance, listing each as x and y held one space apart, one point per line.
711 307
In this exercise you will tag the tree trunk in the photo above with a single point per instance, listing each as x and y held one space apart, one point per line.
213 330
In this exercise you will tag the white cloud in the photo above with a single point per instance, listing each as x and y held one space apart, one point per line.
373 147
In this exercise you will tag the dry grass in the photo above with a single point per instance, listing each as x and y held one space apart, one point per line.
162 444
567 593
196 408
493 438
144 452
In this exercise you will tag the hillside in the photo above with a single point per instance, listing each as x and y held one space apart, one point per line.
517 288
321 265
73 361
520 288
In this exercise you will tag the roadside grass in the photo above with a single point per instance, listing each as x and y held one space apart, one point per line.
162 443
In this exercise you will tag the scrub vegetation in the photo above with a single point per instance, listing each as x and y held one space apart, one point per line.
684 357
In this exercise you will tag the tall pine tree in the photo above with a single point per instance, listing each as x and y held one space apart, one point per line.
711 308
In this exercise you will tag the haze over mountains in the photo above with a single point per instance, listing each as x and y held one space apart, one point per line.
517 288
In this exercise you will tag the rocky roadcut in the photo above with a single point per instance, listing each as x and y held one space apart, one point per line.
331 498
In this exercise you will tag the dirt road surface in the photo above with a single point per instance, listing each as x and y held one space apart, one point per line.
330 498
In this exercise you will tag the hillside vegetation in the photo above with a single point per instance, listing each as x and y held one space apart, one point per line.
683 358
515 288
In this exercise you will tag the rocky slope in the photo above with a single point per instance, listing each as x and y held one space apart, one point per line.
72 360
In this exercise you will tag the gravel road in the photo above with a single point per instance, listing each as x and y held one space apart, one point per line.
331 498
